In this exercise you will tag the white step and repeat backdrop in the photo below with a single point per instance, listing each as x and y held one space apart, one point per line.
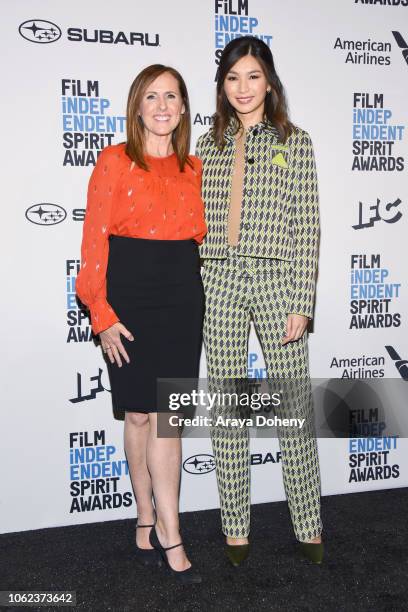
67 68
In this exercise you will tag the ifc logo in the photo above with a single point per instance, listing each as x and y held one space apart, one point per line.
199 464
40 31
46 214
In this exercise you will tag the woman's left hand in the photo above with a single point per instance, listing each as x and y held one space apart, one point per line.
295 328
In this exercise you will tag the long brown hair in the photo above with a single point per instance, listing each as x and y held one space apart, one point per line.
180 138
276 110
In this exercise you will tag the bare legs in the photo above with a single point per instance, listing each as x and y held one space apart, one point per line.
154 465
135 437
236 541
316 540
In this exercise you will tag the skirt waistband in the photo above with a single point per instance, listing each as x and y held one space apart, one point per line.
149 243
144 259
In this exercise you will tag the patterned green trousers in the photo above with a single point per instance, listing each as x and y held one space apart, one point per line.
237 290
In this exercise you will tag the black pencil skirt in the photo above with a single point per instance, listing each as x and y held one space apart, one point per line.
155 288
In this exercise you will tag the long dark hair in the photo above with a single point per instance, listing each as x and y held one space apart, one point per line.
276 111
134 125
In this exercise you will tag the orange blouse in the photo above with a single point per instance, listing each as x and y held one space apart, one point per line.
125 200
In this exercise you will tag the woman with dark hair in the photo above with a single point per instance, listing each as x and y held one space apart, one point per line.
140 279
260 254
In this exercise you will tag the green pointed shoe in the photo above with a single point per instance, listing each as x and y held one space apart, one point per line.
312 552
237 554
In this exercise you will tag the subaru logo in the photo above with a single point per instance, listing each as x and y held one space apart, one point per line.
40 31
199 464
46 214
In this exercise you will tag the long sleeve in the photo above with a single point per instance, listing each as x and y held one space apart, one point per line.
306 228
198 171
91 280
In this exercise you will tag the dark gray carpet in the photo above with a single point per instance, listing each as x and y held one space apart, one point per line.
365 569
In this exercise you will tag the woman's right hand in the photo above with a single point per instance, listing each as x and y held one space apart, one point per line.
112 343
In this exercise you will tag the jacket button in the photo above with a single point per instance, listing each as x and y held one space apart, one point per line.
250 160
247 226
255 132
249 192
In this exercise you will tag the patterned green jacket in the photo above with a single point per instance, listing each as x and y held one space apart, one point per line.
279 214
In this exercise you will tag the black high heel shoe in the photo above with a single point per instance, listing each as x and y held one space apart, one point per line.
147 556
188 576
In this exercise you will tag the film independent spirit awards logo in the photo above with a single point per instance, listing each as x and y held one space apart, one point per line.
46 214
40 31
199 464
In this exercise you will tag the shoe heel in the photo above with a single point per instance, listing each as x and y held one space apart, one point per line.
159 559
188 576
145 556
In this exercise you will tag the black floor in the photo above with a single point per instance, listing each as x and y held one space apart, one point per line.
365 568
